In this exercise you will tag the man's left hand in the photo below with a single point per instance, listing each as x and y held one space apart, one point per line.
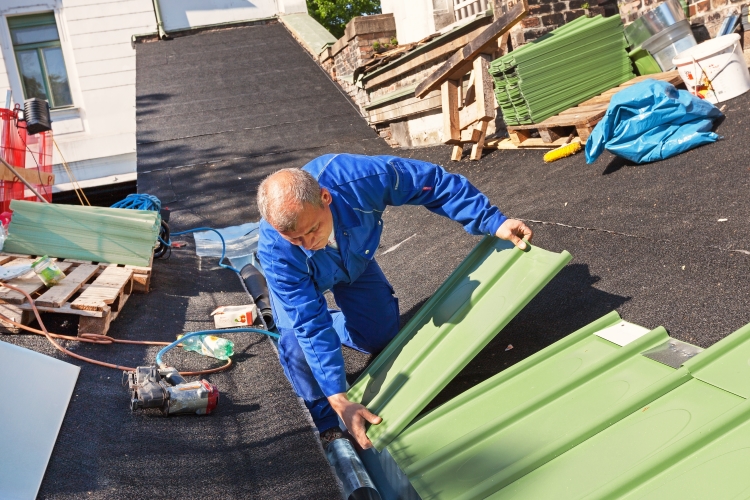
515 231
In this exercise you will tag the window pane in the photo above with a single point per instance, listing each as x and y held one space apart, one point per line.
57 77
34 34
31 74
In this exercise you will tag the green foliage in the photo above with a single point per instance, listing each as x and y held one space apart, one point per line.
394 42
334 14
376 45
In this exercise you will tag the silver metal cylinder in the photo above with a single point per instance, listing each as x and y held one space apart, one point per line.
350 471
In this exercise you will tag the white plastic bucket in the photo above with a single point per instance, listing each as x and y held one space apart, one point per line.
715 70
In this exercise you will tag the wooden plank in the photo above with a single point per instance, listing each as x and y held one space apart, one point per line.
100 325
31 175
533 143
422 59
456 66
4 259
107 289
476 149
405 108
483 87
449 95
14 313
553 133
64 309
29 282
457 152
60 293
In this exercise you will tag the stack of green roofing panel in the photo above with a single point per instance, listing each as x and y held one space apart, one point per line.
598 414
481 296
115 235
561 69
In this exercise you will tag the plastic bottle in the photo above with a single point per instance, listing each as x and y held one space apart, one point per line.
209 345
47 271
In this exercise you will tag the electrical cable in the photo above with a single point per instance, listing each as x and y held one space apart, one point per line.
164 350
74 182
223 245
94 338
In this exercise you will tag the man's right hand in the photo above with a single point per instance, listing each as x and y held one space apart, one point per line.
354 416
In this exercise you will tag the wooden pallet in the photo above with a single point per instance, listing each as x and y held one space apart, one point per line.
96 292
581 119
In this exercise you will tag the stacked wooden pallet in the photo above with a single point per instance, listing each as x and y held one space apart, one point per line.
580 119
94 291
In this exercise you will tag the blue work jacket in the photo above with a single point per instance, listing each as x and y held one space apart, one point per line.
361 188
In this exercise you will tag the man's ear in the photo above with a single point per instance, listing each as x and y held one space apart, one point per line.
325 196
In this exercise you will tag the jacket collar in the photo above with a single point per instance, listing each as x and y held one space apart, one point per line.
343 218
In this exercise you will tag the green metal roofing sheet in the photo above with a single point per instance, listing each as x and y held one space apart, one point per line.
588 418
481 296
561 69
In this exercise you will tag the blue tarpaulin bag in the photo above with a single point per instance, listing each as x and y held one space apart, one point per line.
651 121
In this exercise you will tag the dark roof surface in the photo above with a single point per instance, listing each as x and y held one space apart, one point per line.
218 111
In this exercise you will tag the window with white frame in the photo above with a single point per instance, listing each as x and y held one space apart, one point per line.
36 44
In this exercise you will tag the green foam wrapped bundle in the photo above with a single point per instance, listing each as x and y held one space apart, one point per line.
97 234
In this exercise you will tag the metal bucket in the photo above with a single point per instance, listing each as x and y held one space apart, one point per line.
653 22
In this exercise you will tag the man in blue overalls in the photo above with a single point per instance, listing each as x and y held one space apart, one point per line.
321 227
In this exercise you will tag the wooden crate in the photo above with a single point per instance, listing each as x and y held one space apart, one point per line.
580 120
96 292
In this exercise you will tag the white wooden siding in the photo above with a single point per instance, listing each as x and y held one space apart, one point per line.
183 14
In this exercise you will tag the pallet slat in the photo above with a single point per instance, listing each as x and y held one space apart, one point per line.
105 290
60 293
109 291
584 117
29 283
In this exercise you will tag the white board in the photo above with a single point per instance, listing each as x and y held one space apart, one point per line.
38 390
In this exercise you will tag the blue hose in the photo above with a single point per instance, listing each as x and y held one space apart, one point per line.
140 202
223 245
161 353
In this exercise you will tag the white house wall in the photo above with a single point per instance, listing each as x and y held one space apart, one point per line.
97 136
184 14
414 18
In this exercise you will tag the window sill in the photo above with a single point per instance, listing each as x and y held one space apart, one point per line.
66 121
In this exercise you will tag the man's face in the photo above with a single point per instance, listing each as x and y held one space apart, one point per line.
314 225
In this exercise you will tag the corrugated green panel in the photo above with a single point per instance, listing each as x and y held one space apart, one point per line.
87 233
636 449
561 69
481 296
586 419
726 364
495 433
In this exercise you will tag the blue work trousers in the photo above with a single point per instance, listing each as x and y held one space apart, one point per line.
367 321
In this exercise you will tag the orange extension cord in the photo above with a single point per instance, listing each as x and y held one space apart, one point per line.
92 338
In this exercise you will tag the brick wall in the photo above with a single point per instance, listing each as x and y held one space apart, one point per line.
546 15
709 13
355 48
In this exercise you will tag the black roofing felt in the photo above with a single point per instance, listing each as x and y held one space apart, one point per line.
645 239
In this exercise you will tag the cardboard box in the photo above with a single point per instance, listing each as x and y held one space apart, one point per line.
234 316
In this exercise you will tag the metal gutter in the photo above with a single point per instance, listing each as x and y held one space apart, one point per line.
482 295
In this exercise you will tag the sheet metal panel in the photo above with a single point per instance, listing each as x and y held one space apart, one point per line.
482 295
38 391
504 428
586 418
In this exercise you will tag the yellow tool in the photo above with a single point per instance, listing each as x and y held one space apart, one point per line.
567 149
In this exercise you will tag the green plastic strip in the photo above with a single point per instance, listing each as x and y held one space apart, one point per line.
481 296
97 234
